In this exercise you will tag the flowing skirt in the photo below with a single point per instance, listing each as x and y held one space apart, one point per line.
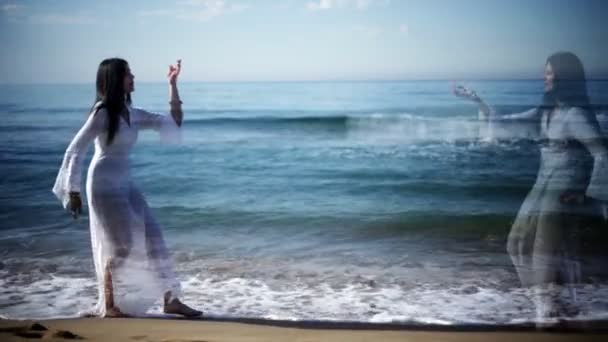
124 229
547 237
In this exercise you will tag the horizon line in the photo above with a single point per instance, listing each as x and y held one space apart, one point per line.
354 80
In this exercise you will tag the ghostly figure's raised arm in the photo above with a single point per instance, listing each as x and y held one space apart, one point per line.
488 112
515 125
69 177
491 120
532 115
582 126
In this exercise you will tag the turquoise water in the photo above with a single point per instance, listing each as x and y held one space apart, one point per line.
364 201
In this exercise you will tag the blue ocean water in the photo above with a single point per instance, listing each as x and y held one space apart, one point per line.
362 201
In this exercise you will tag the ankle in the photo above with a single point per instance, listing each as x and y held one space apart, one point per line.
168 298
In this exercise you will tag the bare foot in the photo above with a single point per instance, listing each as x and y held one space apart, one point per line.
179 308
114 312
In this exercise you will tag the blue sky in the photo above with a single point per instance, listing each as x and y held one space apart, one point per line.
260 40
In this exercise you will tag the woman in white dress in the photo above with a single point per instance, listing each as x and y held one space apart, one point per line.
132 263
569 195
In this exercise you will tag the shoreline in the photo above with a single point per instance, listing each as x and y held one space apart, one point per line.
564 326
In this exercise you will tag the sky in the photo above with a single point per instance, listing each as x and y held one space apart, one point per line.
63 41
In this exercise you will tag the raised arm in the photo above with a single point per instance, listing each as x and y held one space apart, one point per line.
532 115
168 126
68 182
488 113
175 103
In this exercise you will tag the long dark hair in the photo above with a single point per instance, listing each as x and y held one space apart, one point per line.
569 85
111 93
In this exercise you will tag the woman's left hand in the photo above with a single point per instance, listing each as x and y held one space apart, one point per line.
174 72
572 197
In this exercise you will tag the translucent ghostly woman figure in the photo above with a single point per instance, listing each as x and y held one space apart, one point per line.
131 260
569 194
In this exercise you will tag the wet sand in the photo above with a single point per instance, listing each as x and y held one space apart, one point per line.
177 330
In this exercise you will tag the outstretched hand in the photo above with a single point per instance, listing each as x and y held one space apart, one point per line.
462 91
174 72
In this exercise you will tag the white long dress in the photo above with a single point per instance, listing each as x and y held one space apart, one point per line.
121 223
543 239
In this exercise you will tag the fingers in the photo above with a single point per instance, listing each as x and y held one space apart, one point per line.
171 69
174 71
177 67
457 87
461 91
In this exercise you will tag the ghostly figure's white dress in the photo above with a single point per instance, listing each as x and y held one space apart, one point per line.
543 239
121 223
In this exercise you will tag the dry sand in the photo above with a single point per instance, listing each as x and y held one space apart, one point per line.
172 330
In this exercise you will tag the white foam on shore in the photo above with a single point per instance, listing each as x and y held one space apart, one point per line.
55 297
359 302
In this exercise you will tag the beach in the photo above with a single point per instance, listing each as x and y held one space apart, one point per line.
371 202
168 330
318 170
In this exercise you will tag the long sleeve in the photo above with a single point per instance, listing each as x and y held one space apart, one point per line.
530 115
168 129
501 126
70 174
582 127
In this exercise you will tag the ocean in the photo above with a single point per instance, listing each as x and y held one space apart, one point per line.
341 201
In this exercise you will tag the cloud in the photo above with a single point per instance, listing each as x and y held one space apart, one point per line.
198 10
8 8
322 5
19 14
404 29
12 12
